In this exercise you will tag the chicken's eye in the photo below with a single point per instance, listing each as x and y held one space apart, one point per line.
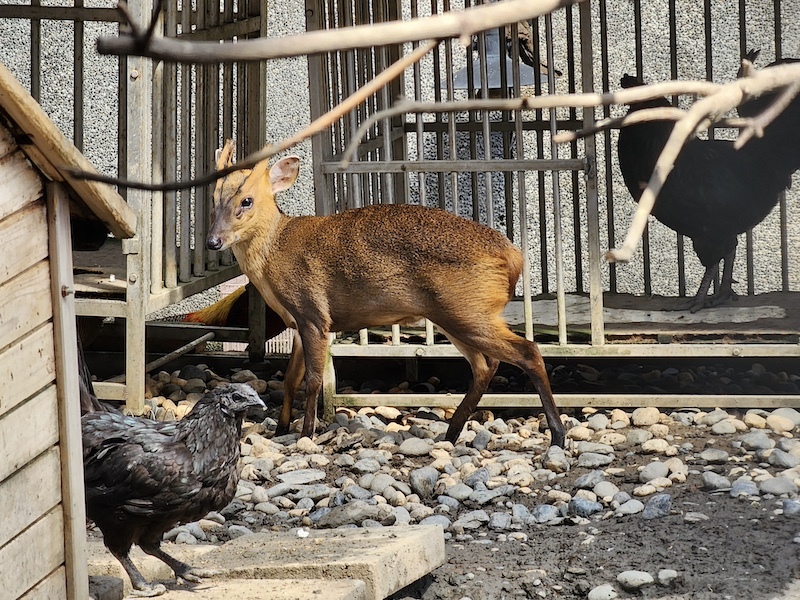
247 202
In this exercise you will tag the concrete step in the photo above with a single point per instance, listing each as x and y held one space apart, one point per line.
377 561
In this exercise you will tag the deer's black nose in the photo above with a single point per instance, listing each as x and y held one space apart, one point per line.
213 242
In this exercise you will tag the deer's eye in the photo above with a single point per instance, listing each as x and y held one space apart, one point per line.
247 202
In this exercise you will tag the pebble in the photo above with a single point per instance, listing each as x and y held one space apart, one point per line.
381 466
414 447
634 580
658 506
602 592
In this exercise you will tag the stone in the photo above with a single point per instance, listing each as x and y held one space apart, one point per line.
652 471
715 416
778 486
631 507
423 481
655 446
756 440
301 476
694 517
597 422
634 580
714 481
726 427
544 513
593 447
459 491
500 521
580 433
605 489
789 413
366 465
645 416
351 513
637 437
555 459
755 421
583 508
592 460
602 592
482 438
714 456
472 519
440 520
589 480
306 446
414 447
783 460
791 507
667 576
744 487
780 424
658 506
390 413
243 376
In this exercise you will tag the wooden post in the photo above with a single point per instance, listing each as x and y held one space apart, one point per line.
139 80
69 417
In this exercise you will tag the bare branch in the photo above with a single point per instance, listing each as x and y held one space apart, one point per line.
320 124
758 124
460 24
637 94
643 116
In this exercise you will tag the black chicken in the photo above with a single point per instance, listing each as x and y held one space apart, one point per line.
143 477
714 192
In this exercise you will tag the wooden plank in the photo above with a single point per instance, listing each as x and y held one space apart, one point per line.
32 491
27 432
20 182
53 586
50 150
531 400
25 303
30 363
32 556
69 414
24 236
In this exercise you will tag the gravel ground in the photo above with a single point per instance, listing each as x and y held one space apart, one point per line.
642 504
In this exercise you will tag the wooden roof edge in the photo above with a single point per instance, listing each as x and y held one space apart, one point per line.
51 151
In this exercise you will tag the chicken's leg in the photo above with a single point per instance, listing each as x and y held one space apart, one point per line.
725 290
182 570
141 587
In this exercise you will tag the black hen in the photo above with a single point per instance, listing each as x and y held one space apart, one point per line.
714 192
143 477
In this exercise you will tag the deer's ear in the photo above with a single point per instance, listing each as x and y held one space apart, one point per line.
224 155
284 173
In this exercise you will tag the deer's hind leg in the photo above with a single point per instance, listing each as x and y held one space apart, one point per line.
483 369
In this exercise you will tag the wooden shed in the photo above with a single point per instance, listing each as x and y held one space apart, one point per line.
42 533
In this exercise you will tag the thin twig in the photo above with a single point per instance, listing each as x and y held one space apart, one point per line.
645 115
320 124
626 96
452 24
759 124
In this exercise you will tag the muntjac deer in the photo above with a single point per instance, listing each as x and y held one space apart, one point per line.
378 265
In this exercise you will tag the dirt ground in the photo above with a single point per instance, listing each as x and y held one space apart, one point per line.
743 551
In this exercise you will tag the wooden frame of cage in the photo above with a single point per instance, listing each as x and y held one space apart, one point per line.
382 168
152 270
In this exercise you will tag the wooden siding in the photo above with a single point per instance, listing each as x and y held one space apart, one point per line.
36 533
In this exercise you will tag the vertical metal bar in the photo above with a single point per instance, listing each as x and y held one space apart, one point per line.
170 155
320 144
637 26
200 136
355 193
211 137
527 295
540 175
451 118
561 301
673 70
419 123
573 147
485 132
36 55
592 203
157 201
609 171
77 82
439 118
185 262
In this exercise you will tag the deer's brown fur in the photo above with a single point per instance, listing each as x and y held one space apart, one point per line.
373 266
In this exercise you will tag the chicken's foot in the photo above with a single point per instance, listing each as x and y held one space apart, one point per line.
181 569
141 587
